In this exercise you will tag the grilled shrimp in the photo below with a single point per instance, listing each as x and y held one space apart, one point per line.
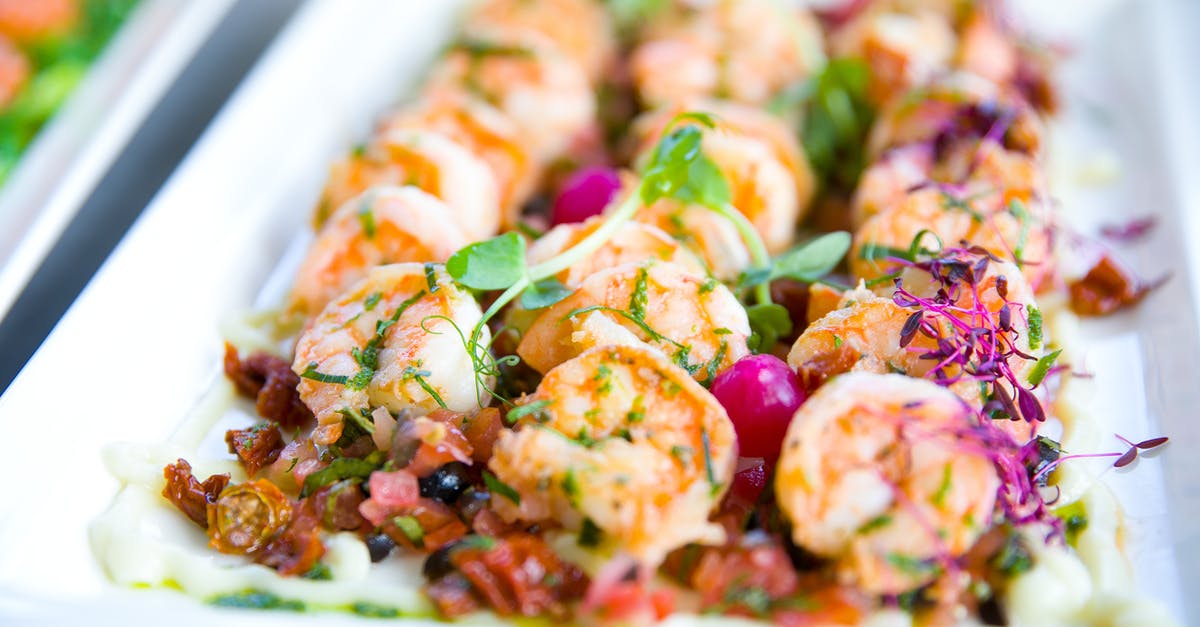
623 439
903 48
582 29
744 50
544 92
736 119
956 107
485 132
1010 227
709 236
427 160
975 168
389 341
888 476
863 334
696 321
763 185
382 225
634 242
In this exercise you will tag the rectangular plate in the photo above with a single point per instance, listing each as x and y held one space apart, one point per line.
142 344
72 152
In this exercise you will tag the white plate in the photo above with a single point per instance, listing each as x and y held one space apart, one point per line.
141 343
65 162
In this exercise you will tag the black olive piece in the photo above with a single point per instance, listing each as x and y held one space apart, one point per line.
438 564
472 502
379 546
446 483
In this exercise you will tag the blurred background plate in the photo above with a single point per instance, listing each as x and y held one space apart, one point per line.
71 153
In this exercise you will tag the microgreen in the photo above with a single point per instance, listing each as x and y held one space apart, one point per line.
966 338
768 323
837 118
493 264
1042 367
527 409
544 294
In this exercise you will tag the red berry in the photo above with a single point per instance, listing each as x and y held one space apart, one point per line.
584 194
761 394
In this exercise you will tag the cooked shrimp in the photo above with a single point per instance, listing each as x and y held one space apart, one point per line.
986 50
744 50
382 225
1009 227
486 132
427 160
389 341
903 48
580 28
956 107
863 334
634 242
763 186
711 237
975 168
737 119
544 92
623 438
888 476
696 321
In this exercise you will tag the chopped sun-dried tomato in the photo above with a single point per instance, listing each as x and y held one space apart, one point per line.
518 574
1106 288
481 431
247 516
190 495
299 547
337 505
270 381
428 525
255 447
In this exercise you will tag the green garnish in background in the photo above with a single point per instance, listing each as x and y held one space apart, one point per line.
56 67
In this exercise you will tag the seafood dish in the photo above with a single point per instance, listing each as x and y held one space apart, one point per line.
679 310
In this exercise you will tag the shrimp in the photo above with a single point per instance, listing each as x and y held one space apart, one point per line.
581 29
427 160
958 106
889 477
738 119
633 243
747 51
621 438
864 333
485 132
711 237
986 50
1008 226
697 321
903 48
975 168
383 225
544 92
764 185
392 340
